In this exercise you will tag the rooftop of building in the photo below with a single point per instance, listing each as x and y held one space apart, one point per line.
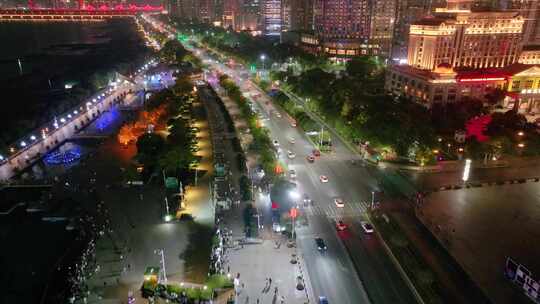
444 71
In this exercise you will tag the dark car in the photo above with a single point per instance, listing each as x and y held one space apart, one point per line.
321 246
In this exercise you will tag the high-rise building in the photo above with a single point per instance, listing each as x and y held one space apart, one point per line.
407 11
383 18
271 14
230 12
462 38
206 11
249 16
286 12
530 10
302 10
342 26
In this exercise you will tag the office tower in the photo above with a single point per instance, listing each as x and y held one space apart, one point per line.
249 16
271 15
342 26
383 18
230 11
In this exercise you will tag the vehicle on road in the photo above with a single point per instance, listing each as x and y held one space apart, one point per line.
278 115
293 124
291 154
316 153
339 202
323 178
321 245
292 140
292 174
276 227
276 143
323 300
310 159
340 226
368 228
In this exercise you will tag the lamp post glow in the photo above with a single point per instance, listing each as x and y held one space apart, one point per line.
466 170
263 58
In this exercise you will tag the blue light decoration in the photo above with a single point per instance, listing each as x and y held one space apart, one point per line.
61 158
104 121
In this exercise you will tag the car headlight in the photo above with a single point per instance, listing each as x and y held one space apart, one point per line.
320 248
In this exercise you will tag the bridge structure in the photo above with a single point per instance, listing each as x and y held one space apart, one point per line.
84 12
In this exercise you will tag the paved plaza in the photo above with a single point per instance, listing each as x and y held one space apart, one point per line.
481 227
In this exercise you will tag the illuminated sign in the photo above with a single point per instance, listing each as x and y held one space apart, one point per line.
481 79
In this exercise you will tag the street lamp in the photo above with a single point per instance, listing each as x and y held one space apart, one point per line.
263 58
466 170
294 194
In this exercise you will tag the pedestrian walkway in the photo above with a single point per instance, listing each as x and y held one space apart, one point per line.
332 211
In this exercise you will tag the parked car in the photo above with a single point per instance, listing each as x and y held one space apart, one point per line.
310 158
339 202
323 178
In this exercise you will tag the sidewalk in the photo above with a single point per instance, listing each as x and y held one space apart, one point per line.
262 258
251 258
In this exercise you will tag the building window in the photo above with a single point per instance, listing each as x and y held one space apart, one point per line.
528 84
515 85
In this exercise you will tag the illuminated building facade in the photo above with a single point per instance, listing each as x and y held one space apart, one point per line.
342 26
530 10
530 54
521 83
230 12
302 10
271 14
249 16
408 11
383 18
466 39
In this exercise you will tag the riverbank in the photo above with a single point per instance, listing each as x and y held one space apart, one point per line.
50 67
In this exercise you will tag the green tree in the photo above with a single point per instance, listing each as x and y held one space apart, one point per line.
361 67
176 159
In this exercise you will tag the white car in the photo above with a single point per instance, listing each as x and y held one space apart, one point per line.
339 202
292 140
323 178
368 228
278 115
292 174
276 143
291 154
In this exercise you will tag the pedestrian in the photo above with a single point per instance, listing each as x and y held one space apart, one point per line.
228 269
257 300
275 290
129 266
270 281
243 285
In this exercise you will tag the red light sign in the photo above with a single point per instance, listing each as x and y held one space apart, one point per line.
481 79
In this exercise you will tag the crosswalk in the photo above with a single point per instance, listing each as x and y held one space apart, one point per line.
332 211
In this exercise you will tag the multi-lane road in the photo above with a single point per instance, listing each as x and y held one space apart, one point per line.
355 268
